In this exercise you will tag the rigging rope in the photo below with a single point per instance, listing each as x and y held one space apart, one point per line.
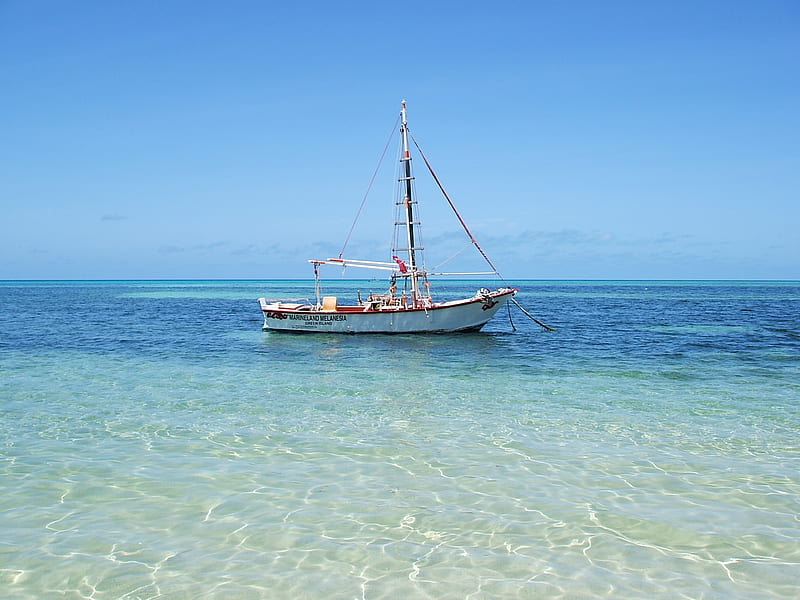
453 206
369 187
472 237
444 262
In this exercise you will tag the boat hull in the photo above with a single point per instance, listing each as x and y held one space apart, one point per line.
470 314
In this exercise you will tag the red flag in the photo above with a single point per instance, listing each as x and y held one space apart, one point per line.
400 264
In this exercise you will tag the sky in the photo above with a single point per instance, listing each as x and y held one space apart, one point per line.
236 140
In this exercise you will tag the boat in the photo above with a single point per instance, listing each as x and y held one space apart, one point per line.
407 305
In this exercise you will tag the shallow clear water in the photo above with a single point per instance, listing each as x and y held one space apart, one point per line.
157 444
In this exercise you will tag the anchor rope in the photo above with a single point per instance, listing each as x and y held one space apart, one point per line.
510 320
531 317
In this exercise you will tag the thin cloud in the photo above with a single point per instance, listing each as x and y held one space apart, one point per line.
193 249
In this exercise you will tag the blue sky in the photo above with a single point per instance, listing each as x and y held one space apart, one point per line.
580 140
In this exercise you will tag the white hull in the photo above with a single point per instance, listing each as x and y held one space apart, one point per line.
460 315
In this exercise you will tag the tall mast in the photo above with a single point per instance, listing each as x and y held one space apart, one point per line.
408 201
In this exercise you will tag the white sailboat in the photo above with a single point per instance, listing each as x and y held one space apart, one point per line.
407 306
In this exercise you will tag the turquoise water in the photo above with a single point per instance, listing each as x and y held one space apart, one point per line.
157 444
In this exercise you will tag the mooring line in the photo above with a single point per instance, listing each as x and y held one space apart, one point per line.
531 317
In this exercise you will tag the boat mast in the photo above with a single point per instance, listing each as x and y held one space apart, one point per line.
408 201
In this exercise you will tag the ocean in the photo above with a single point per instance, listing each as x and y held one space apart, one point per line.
156 444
